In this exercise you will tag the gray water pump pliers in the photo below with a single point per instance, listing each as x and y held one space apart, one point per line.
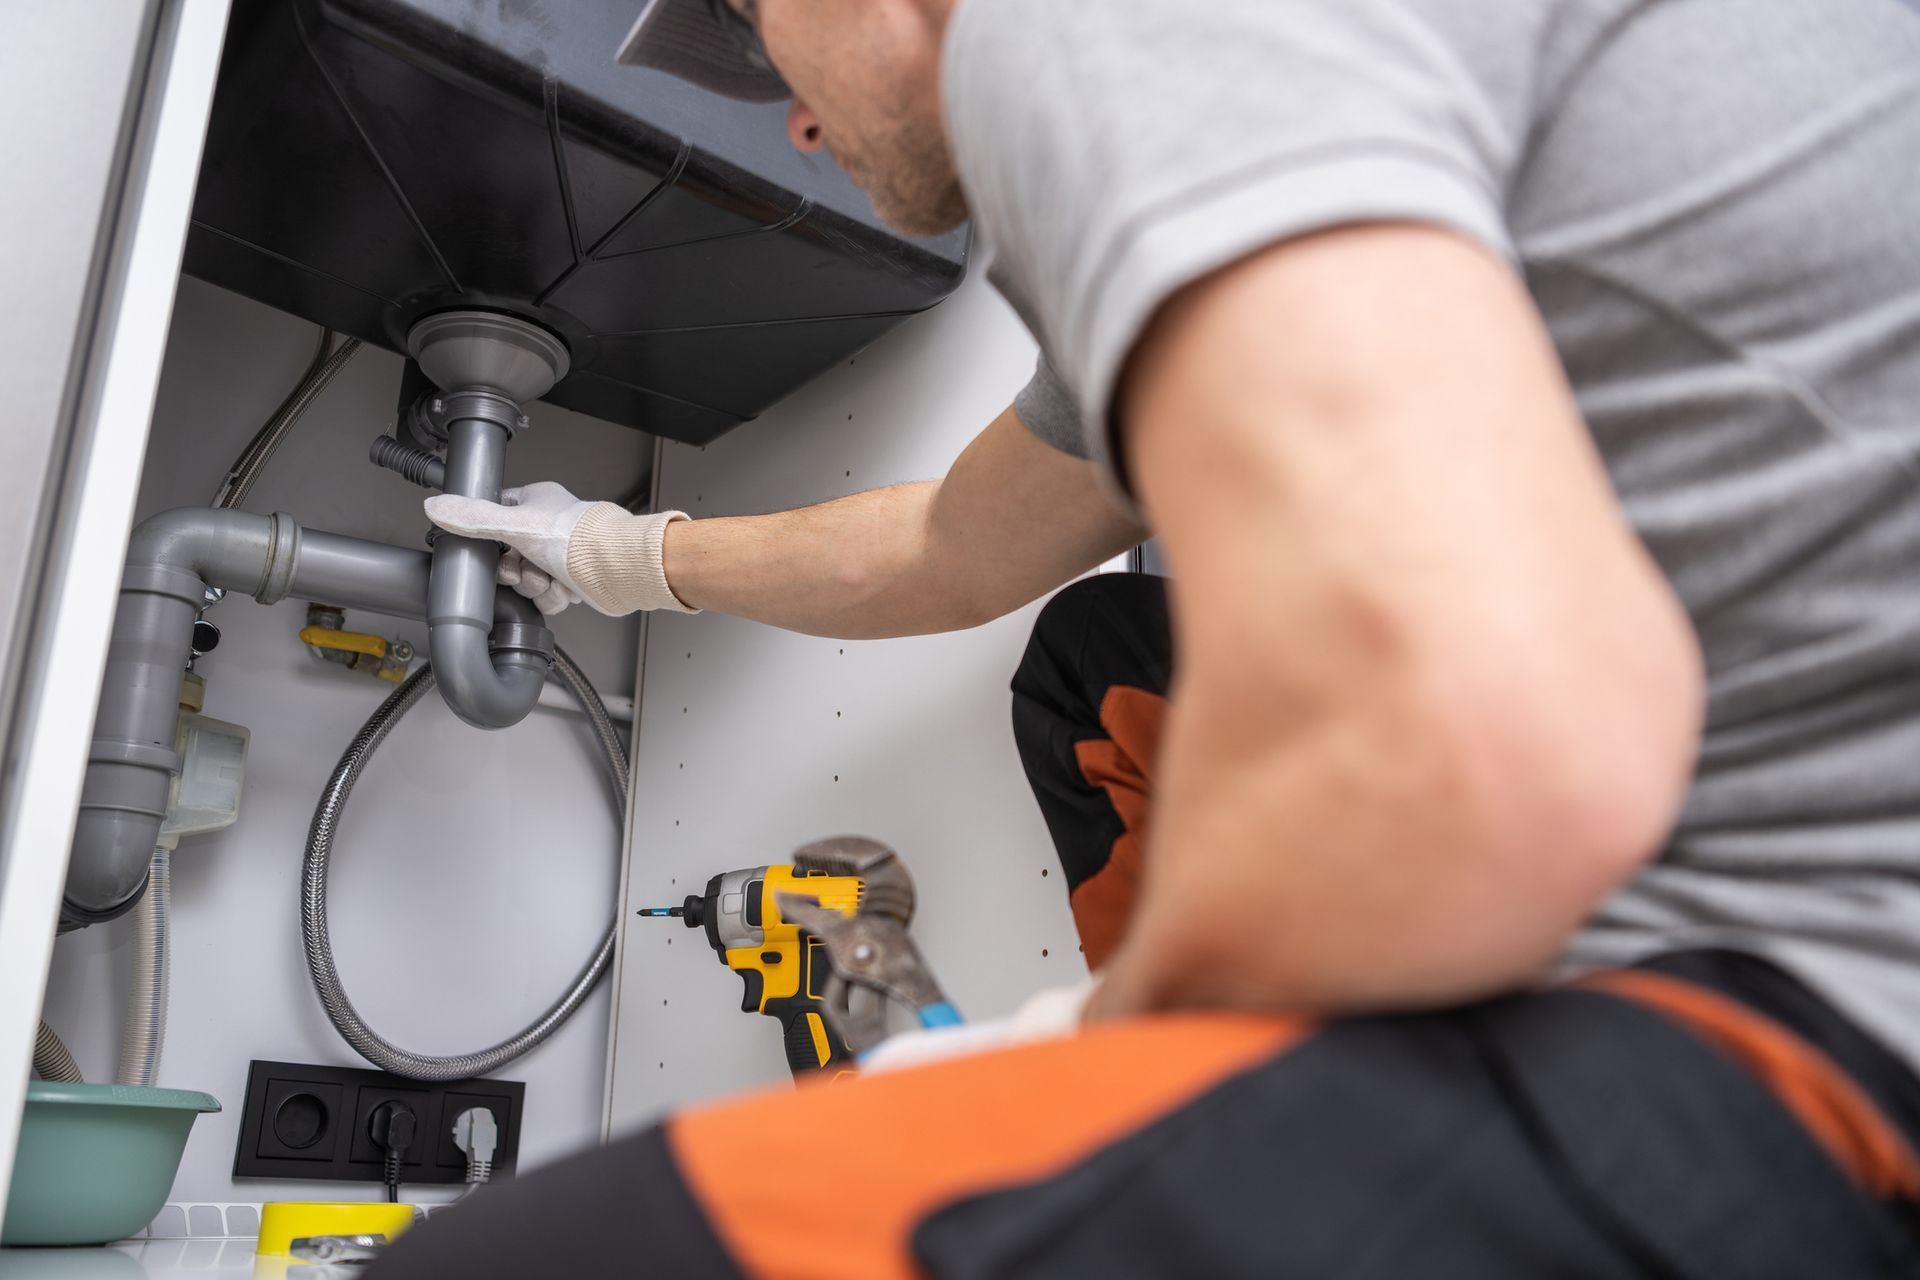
869 949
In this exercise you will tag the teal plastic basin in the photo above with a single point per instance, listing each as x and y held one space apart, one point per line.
96 1161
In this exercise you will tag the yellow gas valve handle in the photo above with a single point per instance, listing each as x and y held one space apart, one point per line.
350 641
373 654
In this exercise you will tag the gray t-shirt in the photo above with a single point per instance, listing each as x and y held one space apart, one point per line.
1716 207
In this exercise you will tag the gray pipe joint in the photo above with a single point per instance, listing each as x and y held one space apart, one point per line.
486 365
486 687
490 675
172 560
132 761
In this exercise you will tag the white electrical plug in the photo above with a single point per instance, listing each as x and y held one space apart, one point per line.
476 1133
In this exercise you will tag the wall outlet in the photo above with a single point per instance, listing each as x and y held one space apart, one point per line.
474 1095
305 1121
361 1148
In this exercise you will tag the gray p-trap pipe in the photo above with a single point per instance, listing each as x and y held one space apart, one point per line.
490 679
171 561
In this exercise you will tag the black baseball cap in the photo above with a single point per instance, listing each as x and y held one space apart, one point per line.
704 42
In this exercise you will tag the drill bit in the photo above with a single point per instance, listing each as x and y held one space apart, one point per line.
663 911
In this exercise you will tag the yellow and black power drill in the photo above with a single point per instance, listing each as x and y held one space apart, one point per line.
784 967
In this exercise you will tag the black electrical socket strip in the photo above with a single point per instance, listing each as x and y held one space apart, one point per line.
309 1122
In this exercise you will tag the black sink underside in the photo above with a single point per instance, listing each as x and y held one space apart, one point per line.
370 162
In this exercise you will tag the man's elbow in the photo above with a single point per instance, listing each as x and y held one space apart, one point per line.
1578 779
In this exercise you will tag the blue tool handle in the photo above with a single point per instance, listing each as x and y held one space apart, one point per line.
942 1014
939 1014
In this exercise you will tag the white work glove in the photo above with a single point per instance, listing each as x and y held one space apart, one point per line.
1049 1015
563 550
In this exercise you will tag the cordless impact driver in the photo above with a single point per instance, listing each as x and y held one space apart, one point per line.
784 967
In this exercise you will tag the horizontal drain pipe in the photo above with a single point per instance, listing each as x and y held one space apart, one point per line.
490 648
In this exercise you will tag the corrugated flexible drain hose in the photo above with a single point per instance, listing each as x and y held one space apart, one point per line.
143 1031
368 1043
51 1061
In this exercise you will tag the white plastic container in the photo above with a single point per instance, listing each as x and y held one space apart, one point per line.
206 794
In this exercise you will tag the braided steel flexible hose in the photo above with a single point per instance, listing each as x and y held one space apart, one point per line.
368 1043
252 462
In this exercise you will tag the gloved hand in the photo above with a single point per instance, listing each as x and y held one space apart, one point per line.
563 550
1055 1012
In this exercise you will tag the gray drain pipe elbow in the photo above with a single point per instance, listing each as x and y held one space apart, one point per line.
490 676
495 662
171 561
131 763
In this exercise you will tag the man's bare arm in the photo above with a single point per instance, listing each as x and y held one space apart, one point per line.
1013 519
1435 700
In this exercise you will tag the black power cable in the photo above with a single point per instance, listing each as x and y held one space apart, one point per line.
392 1128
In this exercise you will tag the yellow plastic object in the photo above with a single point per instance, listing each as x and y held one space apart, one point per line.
786 971
284 1221
776 958
351 641
357 642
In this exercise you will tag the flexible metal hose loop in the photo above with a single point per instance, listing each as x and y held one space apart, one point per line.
368 1043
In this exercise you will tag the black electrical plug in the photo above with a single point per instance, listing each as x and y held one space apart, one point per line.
392 1127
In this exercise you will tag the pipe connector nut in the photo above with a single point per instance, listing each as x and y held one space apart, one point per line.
471 404
283 557
521 637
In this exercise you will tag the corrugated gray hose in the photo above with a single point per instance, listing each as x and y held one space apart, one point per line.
51 1061
368 1043
143 1031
